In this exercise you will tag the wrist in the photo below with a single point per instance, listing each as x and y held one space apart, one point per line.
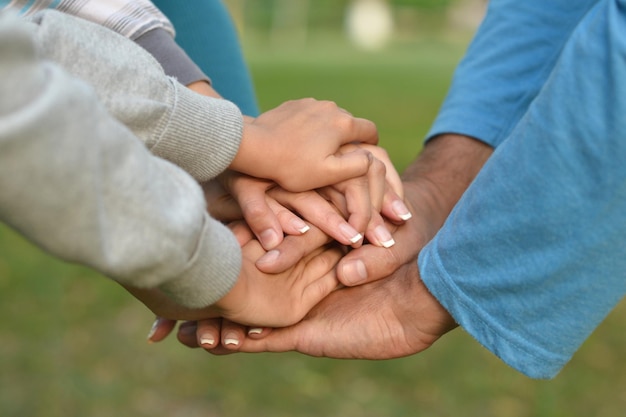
445 168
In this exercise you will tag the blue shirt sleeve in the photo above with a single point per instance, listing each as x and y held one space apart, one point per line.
506 64
533 257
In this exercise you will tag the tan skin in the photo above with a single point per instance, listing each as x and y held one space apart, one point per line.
383 318
285 296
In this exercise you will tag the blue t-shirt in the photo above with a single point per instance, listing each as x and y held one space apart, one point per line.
533 257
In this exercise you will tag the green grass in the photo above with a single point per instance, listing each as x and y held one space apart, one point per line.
73 344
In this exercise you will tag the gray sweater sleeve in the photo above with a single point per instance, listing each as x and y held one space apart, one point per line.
199 134
78 183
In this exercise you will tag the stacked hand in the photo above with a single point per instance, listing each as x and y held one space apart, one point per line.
294 221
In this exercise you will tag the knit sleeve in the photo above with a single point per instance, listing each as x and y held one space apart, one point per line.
200 134
79 184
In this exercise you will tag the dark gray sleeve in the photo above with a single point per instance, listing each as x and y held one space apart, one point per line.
174 60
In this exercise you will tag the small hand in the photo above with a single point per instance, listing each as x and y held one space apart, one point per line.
296 145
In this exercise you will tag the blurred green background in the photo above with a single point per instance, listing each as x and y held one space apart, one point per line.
73 344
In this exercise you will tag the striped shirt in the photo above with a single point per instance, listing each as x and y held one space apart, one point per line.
131 18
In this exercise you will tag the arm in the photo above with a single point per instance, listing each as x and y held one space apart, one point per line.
199 134
78 184
138 20
506 65
532 258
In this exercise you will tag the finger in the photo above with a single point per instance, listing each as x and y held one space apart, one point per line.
220 204
232 335
208 333
277 340
257 212
358 203
319 289
391 174
161 328
378 233
241 231
187 334
340 167
377 184
291 250
289 221
319 212
394 208
361 130
370 263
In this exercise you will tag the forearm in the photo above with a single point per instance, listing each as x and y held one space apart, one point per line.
532 258
199 134
442 172
78 184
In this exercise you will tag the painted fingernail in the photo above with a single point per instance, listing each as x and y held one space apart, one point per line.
207 340
231 341
269 238
384 237
401 210
350 233
354 272
300 225
255 330
269 258
153 330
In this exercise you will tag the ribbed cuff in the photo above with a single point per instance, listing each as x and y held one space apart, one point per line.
203 134
211 272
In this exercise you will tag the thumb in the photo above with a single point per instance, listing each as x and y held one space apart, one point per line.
369 263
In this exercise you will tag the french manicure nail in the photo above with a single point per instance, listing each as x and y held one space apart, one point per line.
384 237
350 233
401 210
231 341
300 225
153 330
255 330
207 340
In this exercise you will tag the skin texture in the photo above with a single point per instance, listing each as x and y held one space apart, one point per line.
378 318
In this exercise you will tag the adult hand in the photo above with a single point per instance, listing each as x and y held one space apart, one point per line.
432 185
386 319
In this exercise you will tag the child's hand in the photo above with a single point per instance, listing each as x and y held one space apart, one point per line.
277 300
297 143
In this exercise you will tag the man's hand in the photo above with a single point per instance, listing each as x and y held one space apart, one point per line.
386 319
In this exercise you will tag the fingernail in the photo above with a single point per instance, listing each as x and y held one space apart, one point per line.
231 341
153 330
255 330
384 237
350 233
401 210
269 238
354 272
269 258
188 328
207 340
300 225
